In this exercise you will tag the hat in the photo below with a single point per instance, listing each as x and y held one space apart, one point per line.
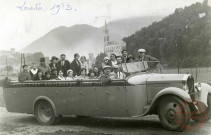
54 58
119 58
106 58
106 66
141 50
69 71
42 59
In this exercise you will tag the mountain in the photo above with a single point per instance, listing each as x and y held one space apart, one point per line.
183 36
85 38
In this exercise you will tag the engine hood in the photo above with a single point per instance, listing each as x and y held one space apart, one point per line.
148 78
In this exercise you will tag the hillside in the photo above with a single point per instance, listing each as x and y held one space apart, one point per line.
187 29
84 38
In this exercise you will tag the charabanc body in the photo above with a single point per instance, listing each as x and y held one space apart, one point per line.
174 97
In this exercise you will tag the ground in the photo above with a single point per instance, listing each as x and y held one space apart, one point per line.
23 124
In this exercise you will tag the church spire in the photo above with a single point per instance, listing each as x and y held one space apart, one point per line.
106 34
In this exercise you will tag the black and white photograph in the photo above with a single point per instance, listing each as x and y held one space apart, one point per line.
105 67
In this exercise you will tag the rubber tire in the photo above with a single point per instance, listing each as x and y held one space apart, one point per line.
185 108
205 115
54 119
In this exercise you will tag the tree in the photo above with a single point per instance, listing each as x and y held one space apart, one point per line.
184 28
99 59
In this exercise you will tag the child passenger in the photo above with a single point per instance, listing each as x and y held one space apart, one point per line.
70 75
54 74
47 76
39 76
60 76
92 74
83 75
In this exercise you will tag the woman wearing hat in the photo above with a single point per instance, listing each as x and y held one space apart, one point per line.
113 60
70 75
106 62
53 64
84 64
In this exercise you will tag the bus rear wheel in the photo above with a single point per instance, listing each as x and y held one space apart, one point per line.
44 113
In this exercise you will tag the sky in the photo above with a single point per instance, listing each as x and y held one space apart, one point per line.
24 21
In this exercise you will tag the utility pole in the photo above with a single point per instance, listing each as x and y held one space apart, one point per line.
7 67
24 62
177 59
21 62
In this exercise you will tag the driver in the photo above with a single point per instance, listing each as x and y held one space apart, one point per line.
144 57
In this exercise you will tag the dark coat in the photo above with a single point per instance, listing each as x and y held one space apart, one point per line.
124 59
36 78
76 68
52 66
148 58
23 76
64 68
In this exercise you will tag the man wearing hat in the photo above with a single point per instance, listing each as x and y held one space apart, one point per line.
63 64
53 64
143 57
107 76
43 66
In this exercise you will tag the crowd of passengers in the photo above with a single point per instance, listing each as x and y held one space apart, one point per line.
111 68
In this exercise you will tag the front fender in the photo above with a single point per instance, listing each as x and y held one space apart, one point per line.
204 92
169 91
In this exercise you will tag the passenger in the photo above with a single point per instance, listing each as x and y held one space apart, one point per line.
53 64
63 64
96 71
92 74
119 60
24 75
124 56
39 76
43 66
130 59
113 61
83 75
70 75
54 74
47 76
75 65
143 57
60 76
84 64
107 76
106 62
33 70
120 74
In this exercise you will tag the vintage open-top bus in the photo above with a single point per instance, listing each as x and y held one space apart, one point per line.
175 98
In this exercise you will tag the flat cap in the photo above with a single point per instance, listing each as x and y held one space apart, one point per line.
106 58
141 50
106 66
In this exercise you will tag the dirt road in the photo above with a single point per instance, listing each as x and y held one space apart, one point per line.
20 124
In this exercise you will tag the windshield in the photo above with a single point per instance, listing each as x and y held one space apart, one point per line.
141 66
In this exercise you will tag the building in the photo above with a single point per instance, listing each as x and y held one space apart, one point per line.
112 46
91 60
